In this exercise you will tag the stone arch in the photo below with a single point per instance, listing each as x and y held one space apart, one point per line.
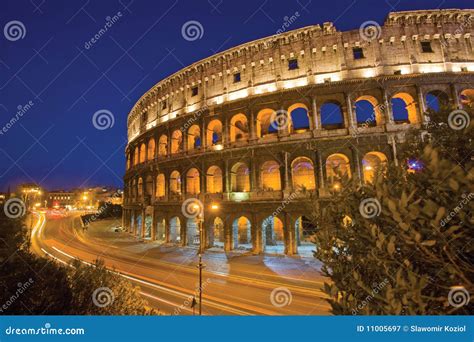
372 163
332 116
139 226
337 168
240 177
175 230
404 108
214 133
176 141
160 234
194 137
302 174
298 115
273 237
217 236
241 233
160 185
149 186
192 232
214 180
436 99
151 149
142 153
163 145
175 182
193 180
148 226
270 176
265 123
239 128
305 230
128 161
368 111
136 160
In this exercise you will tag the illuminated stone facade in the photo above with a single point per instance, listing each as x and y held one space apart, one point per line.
256 131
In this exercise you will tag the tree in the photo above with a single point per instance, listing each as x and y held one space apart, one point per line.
404 244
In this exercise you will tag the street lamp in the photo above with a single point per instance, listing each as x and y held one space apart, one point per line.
201 266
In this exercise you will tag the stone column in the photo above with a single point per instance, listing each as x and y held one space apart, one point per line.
290 240
287 185
227 183
321 178
256 234
421 105
143 223
228 227
226 131
350 112
203 134
388 107
168 146
455 95
357 166
252 125
154 224
253 175
314 110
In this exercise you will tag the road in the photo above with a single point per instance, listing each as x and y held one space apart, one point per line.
168 276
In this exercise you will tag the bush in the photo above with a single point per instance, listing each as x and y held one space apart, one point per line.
403 245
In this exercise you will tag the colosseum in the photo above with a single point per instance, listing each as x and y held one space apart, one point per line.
250 135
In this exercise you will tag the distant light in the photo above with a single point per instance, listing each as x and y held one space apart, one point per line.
415 165
218 147
214 206
368 168
336 186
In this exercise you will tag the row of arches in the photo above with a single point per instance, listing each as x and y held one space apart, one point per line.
302 171
233 234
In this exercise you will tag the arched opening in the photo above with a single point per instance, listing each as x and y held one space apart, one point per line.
149 186
135 156
142 153
176 142
404 109
273 240
217 237
270 175
305 230
367 110
302 174
266 124
214 180
331 115
192 232
193 182
175 183
194 137
128 161
163 146
214 133
337 169
467 98
160 185
372 163
148 226
132 222
151 149
134 189
436 99
138 230
175 230
240 178
239 128
241 234
299 118
140 187
160 230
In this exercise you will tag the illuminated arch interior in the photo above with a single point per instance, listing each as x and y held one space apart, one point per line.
160 185
265 126
270 175
214 180
194 137
372 163
151 149
302 172
142 153
192 182
239 128
299 116
214 133
404 109
176 141
175 182
163 146
368 111
337 168
240 178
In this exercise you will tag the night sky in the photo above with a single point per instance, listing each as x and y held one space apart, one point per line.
54 143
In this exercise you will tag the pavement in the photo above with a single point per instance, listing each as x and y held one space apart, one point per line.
235 283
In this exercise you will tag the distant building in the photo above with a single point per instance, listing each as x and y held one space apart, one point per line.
31 194
61 199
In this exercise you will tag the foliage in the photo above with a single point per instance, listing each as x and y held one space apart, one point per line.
406 255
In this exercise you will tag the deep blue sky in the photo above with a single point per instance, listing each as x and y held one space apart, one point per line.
55 143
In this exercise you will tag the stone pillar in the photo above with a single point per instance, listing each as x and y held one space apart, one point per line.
287 186
143 225
290 239
168 145
320 166
285 130
203 134
421 105
350 112
202 180
252 126
256 234
357 166
455 96
183 183
388 107
227 183
167 230
314 110
154 225
253 175
228 227
226 131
